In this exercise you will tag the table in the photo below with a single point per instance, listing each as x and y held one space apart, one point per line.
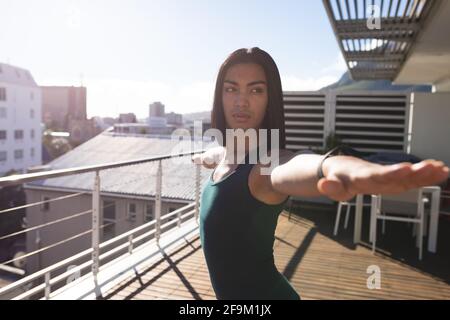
435 193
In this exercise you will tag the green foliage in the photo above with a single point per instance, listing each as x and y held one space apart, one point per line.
56 146
332 141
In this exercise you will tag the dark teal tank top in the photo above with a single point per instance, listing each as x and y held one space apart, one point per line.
237 233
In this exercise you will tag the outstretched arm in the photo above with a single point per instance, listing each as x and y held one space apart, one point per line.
346 176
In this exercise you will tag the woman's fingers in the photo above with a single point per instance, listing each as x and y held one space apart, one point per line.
197 159
401 177
428 172
385 179
392 172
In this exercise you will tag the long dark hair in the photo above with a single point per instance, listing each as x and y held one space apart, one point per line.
274 117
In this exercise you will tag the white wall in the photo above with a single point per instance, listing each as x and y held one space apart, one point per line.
442 86
431 126
19 101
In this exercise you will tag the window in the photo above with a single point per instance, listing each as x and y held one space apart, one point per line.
32 113
32 133
31 94
3 156
3 134
109 219
46 205
32 152
2 112
109 210
171 209
2 94
148 212
18 134
108 231
132 211
18 154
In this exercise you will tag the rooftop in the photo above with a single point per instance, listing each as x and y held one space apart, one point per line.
104 148
15 75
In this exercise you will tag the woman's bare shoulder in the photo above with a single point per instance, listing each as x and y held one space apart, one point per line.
260 183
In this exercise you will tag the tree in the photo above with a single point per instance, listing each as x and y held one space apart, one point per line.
56 146
332 141
10 222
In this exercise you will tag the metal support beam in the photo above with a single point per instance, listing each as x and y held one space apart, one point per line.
96 225
158 201
47 286
398 32
197 191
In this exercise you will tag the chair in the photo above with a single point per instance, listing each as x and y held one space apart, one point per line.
291 203
408 206
341 204
445 202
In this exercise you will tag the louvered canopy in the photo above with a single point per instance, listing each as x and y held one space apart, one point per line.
371 52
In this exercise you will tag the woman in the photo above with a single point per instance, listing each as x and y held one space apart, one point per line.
240 206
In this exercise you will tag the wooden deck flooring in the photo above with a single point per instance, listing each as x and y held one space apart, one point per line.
318 265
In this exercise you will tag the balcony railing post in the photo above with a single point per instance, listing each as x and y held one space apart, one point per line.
329 116
197 191
47 286
130 244
95 224
158 201
179 219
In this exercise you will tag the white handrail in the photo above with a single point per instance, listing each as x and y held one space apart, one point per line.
58 265
96 245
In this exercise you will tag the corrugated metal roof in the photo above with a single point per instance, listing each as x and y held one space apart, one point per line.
178 180
16 75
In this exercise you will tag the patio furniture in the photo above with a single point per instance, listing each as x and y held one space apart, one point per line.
389 207
433 191
445 203
349 204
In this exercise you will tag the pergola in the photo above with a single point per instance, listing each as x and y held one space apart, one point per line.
376 49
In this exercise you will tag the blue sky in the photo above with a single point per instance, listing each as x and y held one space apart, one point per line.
131 53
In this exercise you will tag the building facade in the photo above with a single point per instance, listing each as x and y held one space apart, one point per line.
60 104
20 120
64 109
127 118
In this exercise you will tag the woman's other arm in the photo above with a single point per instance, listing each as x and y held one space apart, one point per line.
210 158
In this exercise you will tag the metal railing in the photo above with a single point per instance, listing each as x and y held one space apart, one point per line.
140 234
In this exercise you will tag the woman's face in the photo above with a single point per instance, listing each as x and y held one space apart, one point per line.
244 96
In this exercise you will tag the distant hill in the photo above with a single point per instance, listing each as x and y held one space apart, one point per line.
346 83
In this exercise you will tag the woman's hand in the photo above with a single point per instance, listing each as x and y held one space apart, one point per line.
347 176
197 158
210 158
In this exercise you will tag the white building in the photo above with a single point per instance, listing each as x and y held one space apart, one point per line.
20 120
